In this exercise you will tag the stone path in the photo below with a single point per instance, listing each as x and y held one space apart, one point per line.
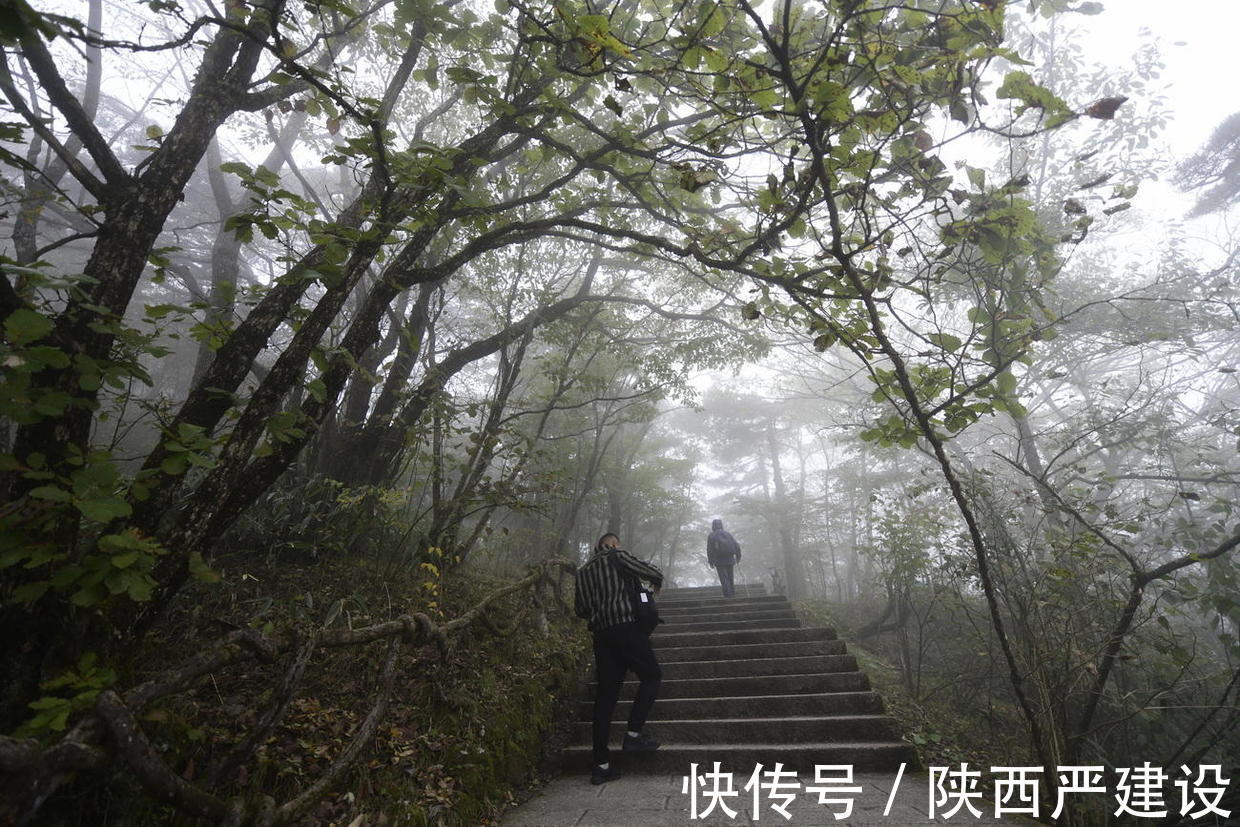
745 684
658 801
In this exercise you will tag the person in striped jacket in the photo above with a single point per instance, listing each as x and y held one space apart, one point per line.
605 590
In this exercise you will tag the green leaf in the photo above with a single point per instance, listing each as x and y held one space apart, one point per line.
66 576
462 74
124 561
201 461
946 341
824 341
431 73
158 311
45 356
714 20
53 403
12 557
188 432
1020 86
104 509
24 326
174 464
140 589
201 571
91 595
51 492
959 111
718 62
55 715
118 581
30 592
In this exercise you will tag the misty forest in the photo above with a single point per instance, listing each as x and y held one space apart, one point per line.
335 332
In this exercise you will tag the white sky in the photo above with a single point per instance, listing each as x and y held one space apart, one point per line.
1199 42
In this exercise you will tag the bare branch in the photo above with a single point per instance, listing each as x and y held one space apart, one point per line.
87 178
80 122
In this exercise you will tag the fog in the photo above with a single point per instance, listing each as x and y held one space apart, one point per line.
934 303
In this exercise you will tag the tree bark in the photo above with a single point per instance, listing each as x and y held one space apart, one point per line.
135 208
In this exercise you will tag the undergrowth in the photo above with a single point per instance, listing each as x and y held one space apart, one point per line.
465 731
943 731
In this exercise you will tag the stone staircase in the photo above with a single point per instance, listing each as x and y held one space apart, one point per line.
745 683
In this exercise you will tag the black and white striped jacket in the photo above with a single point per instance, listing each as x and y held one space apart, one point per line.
606 584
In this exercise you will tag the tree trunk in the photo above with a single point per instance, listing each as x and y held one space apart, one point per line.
135 210
794 571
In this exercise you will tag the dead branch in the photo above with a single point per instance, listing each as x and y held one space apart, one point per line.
498 628
243 644
473 614
155 776
34 775
408 627
274 712
293 809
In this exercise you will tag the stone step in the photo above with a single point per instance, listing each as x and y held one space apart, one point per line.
697 592
792 648
801 730
757 620
750 706
742 759
720 602
753 685
724 624
755 612
708 613
670 638
773 668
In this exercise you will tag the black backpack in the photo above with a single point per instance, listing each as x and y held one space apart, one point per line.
726 545
645 612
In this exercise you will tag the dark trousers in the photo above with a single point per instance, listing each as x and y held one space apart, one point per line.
617 650
725 579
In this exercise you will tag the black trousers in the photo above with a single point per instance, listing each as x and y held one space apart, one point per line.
725 579
617 650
